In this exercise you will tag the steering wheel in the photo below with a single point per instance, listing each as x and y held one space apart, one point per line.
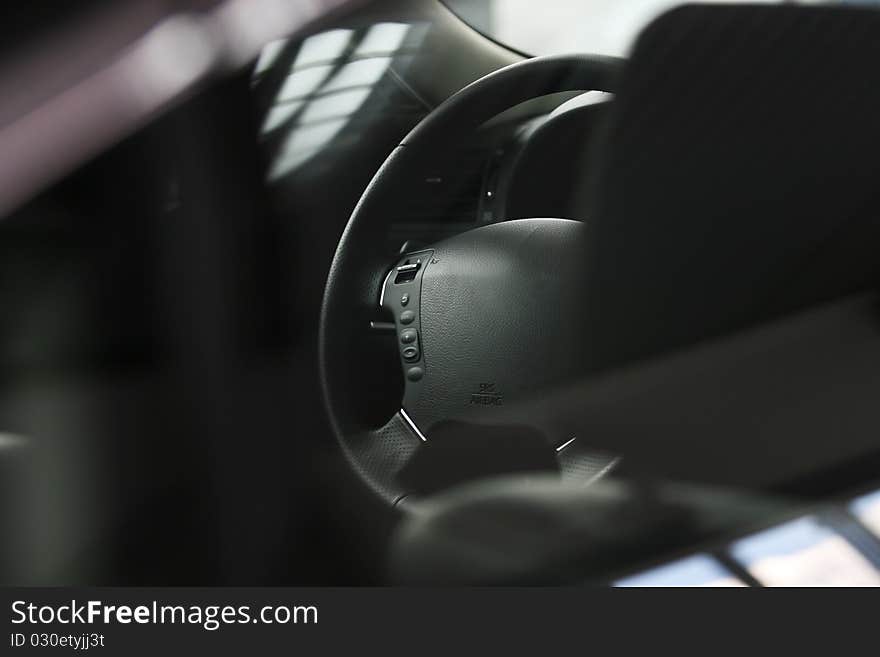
480 317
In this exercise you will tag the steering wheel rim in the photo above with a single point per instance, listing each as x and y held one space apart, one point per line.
359 267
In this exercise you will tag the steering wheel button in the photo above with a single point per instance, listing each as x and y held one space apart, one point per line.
407 317
408 336
415 373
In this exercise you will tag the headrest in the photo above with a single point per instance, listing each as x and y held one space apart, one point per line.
738 176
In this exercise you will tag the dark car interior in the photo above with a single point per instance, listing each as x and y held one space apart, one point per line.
390 302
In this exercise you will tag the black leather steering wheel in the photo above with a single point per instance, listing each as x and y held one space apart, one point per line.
473 314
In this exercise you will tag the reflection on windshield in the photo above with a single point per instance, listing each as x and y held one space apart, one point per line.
698 570
804 552
867 510
331 75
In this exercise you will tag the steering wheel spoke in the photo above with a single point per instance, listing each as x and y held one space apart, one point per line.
579 463
381 455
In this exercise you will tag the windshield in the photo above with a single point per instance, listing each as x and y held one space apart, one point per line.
551 27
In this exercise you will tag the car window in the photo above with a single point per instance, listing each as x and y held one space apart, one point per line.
606 27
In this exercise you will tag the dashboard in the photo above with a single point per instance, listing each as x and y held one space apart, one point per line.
517 166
